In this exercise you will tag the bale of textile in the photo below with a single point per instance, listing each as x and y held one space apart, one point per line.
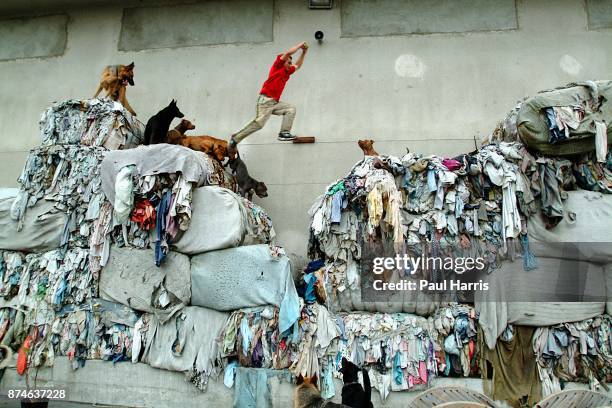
194 167
515 375
186 343
130 278
608 272
91 122
585 237
252 386
247 276
56 278
8 192
558 291
221 220
564 121
574 352
252 337
68 176
41 230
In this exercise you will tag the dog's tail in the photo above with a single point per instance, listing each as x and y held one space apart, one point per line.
367 387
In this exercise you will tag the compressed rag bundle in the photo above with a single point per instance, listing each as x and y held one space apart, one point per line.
130 278
245 276
186 343
92 122
41 229
558 291
586 237
68 176
252 337
579 351
564 121
221 219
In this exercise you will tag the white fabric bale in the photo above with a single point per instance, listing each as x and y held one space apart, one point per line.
186 342
588 238
515 295
218 221
42 226
245 276
6 192
608 272
131 278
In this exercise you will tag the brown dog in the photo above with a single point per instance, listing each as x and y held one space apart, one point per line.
306 395
212 146
175 135
114 80
368 147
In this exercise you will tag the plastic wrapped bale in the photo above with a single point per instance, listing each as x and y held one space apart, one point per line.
596 99
93 122
242 277
41 230
585 238
130 277
187 343
557 291
219 220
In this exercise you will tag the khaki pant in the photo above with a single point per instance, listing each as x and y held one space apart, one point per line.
266 107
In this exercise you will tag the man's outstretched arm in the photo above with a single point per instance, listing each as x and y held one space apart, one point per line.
292 50
300 61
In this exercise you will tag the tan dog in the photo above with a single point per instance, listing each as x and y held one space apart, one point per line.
175 135
114 80
368 147
306 395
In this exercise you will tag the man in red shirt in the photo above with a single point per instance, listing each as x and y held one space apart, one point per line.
269 102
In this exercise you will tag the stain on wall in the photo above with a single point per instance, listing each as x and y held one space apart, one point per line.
209 23
32 37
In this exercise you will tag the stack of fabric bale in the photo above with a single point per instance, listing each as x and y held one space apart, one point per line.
527 213
95 248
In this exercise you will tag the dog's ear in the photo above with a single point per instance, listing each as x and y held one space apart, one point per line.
131 65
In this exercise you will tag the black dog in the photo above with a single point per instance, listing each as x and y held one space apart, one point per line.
158 125
246 183
353 394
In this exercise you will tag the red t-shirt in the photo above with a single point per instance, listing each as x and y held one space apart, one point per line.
277 78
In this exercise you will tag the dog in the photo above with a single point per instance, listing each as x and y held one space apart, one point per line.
114 80
368 147
246 183
306 395
158 125
174 136
353 394
212 146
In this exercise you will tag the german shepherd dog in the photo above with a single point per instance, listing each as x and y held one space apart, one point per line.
307 395
114 80
158 125
353 394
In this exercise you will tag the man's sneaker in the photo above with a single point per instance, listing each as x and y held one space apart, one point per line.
286 136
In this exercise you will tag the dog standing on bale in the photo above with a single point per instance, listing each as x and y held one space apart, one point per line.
114 80
367 146
158 125
307 395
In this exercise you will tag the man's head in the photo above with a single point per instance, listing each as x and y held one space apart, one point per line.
288 62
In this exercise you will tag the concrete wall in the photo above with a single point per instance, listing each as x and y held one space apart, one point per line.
431 93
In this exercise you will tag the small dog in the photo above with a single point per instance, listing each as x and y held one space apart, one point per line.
114 80
212 146
368 147
246 183
158 125
353 394
175 135
306 395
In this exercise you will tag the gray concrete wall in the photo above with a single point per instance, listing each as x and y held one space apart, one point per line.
431 93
